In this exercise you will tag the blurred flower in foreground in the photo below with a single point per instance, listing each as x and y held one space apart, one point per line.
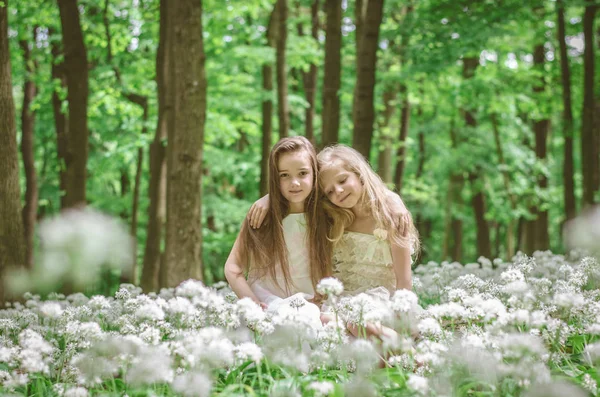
76 246
584 231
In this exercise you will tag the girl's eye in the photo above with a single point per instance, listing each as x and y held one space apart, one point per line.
283 175
303 173
343 180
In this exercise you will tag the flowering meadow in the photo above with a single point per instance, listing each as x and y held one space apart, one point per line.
530 327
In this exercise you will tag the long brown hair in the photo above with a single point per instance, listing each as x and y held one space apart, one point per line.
265 248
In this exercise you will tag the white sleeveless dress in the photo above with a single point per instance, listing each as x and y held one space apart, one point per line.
280 303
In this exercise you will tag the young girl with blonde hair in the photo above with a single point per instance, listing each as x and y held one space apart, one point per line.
372 231
290 253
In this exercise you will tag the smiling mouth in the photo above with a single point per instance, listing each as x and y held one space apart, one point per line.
296 192
345 197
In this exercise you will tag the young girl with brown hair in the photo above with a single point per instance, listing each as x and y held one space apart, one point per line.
291 252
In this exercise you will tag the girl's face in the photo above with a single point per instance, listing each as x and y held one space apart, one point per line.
342 187
295 179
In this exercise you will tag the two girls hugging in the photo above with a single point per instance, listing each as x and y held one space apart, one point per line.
326 214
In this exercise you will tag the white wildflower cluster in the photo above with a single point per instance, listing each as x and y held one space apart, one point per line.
501 324
76 246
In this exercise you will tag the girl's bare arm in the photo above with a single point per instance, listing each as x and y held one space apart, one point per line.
401 262
234 273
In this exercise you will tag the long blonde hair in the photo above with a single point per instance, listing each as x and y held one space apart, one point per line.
385 206
265 248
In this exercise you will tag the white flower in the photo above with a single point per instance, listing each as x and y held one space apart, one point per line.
511 275
196 384
590 384
321 388
77 392
592 353
430 327
404 301
150 365
569 300
75 246
150 311
418 383
191 288
330 286
248 351
51 309
380 234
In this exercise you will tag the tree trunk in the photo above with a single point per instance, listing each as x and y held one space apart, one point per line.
384 161
405 112
282 91
332 73
267 107
364 110
541 128
186 136
400 153
589 151
567 118
310 78
143 102
12 242
76 70
510 229
484 247
28 150
536 230
60 119
453 231
154 270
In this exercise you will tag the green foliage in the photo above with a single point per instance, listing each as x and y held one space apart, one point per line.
422 50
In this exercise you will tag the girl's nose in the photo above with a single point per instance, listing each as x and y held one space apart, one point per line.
339 189
295 182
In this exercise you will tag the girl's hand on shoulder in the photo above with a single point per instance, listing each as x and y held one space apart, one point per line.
258 212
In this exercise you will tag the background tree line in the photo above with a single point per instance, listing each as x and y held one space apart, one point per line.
484 116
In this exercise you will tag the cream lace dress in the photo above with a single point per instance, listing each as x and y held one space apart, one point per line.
363 263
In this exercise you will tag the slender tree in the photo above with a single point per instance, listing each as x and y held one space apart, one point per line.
536 230
141 101
12 241
364 110
453 233
28 148
401 151
332 72
589 144
187 78
477 199
282 90
267 105
158 165
384 160
309 78
405 107
60 118
510 229
567 117
76 71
